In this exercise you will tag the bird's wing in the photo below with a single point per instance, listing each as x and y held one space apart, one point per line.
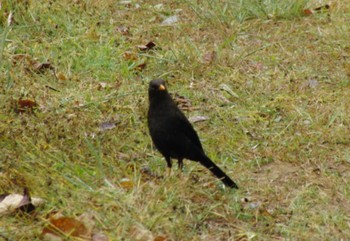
184 128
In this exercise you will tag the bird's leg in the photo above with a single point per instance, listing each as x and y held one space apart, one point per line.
169 163
180 164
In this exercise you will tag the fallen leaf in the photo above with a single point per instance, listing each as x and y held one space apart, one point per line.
102 85
66 226
25 106
88 220
150 45
141 67
228 90
41 67
3 196
140 233
126 183
323 8
170 20
18 202
160 238
20 58
147 172
26 203
123 30
209 57
182 102
312 83
99 237
307 12
10 19
194 119
130 55
158 6
61 76
104 126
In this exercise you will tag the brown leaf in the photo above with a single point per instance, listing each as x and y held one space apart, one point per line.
160 238
61 76
20 58
307 12
141 67
209 57
182 102
323 8
129 56
150 45
148 174
140 233
102 85
123 30
25 106
126 183
41 67
66 226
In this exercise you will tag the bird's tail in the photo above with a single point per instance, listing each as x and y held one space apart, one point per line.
218 172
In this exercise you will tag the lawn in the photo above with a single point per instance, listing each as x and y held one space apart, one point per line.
271 79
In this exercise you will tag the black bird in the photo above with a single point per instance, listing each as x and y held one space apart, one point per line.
173 134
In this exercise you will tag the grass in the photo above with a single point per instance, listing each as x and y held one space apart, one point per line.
283 135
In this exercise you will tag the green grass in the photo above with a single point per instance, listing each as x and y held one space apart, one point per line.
283 135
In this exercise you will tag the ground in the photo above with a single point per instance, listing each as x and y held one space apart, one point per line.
271 78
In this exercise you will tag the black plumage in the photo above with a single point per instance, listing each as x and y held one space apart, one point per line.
173 134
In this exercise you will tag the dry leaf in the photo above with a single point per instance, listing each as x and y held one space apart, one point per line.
209 57
140 233
182 102
25 106
102 85
170 20
41 67
160 238
323 8
26 203
99 237
61 76
148 174
123 30
20 58
107 126
141 67
130 55
228 90
66 226
10 19
126 183
18 202
312 83
150 45
194 119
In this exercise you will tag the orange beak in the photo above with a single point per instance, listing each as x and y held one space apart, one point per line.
161 87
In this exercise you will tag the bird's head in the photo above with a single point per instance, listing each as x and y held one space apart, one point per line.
157 87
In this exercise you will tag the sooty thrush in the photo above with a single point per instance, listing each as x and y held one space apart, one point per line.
173 134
